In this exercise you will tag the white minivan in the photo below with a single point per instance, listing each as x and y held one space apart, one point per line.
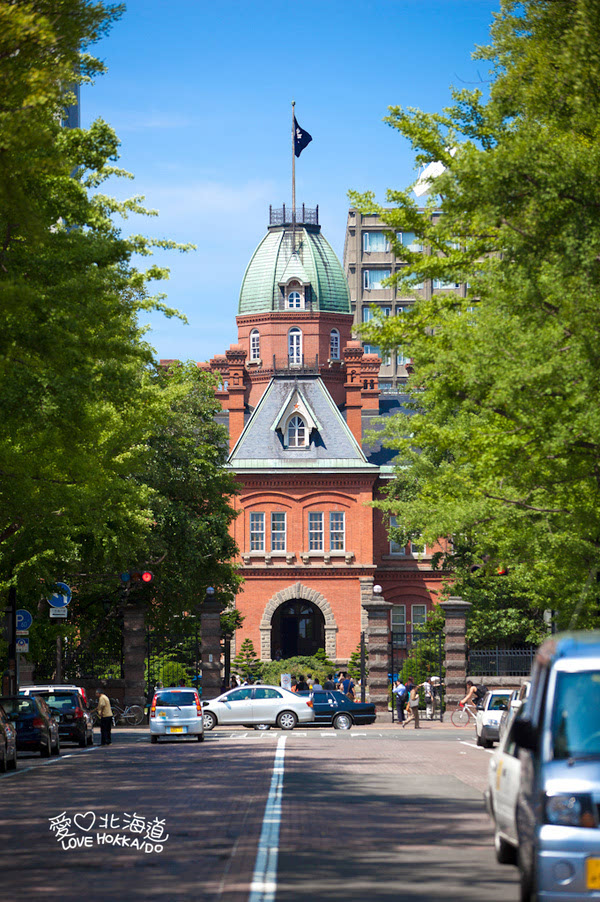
557 738
175 713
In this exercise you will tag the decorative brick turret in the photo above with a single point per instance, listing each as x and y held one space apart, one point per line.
353 355
370 381
236 359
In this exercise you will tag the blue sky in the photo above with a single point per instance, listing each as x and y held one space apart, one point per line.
200 95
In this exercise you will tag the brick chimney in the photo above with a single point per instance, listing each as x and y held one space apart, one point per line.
353 354
236 358
370 381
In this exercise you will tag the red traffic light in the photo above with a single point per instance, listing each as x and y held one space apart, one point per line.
147 577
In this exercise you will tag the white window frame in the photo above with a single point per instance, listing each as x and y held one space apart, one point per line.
395 548
377 286
398 622
334 345
316 531
412 244
416 548
440 285
295 346
401 360
337 531
367 243
278 534
295 301
296 432
257 531
255 345
417 624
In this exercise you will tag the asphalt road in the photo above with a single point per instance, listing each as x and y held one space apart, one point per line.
376 815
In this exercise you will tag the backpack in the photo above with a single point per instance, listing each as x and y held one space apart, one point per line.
480 694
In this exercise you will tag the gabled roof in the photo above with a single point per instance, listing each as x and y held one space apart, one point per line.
332 446
297 404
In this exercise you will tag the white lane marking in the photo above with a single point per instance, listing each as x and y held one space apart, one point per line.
24 770
264 879
329 735
354 735
479 748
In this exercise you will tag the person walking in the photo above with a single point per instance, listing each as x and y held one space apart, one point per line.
301 685
329 683
401 694
413 703
106 715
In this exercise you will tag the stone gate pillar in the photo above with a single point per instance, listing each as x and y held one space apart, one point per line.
377 642
134 653
455 648
210 631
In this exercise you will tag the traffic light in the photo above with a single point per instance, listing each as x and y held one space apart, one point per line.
137 576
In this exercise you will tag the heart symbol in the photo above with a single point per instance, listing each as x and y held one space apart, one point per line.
82 826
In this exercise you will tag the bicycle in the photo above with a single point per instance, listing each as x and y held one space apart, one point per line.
463 715
132 715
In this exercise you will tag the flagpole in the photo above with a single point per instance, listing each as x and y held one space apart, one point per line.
293 178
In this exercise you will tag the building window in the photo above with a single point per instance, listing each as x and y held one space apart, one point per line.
409 240
398 624
254 345
371 349
367 314
334 345
401 359
278 531
337 531
439 283
315 532
296 433
295 346
294 300
395 547
417 548
419 615
386 311
257 532
375 243
372 278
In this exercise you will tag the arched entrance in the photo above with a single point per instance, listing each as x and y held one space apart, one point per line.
270 639
297 628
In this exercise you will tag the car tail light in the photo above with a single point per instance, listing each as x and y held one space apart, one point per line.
198 707
78 714
310 703
37 722
153 708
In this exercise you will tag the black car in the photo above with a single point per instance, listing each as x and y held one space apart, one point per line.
37 729
68 707
333 708
8 744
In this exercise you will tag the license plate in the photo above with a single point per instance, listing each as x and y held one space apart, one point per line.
592 872
176 729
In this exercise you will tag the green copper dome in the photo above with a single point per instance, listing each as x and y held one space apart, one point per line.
314 264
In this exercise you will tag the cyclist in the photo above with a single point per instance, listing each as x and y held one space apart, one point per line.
474 694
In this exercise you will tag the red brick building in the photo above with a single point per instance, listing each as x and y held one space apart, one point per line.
298 394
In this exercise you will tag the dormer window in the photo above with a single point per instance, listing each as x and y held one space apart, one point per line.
294 300
296 433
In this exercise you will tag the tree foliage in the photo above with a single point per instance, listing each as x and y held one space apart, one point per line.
501 445
247 663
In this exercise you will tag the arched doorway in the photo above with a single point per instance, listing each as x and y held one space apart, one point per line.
298 628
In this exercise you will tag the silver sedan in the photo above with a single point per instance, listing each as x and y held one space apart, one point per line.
258 705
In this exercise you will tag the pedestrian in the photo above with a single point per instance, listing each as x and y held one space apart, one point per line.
301 685
401 694
429 699
316 686
329 683
413 703
294 684
182 682
347 686
105 714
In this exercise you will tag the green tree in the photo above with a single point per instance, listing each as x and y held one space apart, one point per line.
501 446
246 662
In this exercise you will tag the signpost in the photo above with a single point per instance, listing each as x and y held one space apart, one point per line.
58 613
22 645
24 621
62 597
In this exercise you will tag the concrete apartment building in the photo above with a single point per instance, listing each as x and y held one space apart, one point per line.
368 261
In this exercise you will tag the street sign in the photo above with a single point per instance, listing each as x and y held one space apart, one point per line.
24 620
62 597
22 645
59 613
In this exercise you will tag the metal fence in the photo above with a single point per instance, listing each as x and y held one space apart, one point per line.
419 654
301 215
501 661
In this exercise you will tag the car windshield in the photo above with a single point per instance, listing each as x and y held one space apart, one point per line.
62 701
175 699
498 702
576 715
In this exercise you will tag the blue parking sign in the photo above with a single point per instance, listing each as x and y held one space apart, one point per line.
24 619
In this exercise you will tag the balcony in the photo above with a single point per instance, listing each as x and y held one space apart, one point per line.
286 215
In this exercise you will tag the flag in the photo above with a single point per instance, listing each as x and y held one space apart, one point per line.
301 138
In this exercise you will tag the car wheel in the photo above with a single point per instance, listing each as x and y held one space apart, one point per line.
342 722
154 739
83 742
200 737
209 721
479 741
487 743
287 720
46 750
262 726
505 853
